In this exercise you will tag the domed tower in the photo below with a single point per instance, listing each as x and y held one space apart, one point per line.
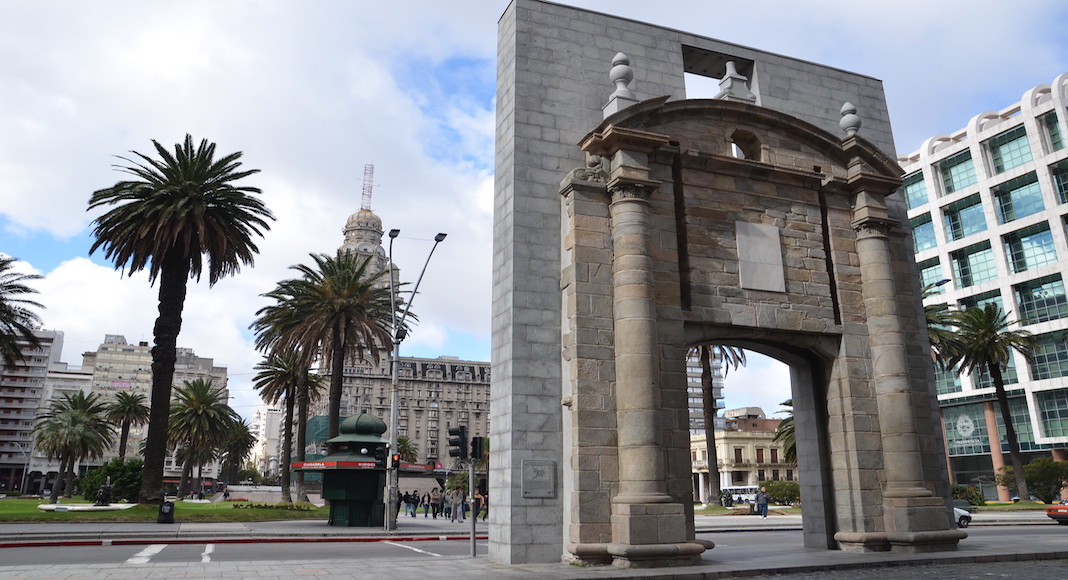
363 230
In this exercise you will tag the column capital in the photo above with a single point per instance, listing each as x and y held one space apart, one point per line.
631 190
873 227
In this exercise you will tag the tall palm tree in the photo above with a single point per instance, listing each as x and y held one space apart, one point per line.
277 381
407 449
940 319
984 343
236 448
73 428
338 309
309 390
786 435
200 422
173 214
730 357
16 321
127 410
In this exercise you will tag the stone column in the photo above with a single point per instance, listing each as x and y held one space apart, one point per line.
997 458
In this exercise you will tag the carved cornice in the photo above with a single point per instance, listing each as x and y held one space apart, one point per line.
631 190
873 227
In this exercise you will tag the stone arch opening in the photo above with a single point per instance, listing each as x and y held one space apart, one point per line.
745 145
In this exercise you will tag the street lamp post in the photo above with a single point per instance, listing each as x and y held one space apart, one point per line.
26 469
398 333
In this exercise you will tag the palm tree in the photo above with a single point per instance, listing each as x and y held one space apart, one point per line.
175 212
127 410
309 389
235 449
338 309
731 357
407 449
276 381
200 422
785 434
984 343
940 318
73 428
16 321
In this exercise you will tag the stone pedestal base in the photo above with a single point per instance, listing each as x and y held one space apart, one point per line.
914 525
650 535
656 555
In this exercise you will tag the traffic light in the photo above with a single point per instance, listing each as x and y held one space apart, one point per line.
478 448
380 455
458 442
396 461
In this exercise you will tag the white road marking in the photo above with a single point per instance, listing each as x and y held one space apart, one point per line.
206 556
413 548
145 555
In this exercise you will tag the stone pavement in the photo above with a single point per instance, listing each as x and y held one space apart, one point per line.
739 553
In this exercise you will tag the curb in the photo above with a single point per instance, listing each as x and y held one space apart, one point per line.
217 540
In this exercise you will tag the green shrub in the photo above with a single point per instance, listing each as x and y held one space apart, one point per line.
125 479
783 492
295 506
969 493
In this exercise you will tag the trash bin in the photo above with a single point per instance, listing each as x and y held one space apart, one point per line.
166 513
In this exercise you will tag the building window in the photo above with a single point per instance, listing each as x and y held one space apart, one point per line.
981 300
1053 412
923 233
774 455
738 455
760 455
973 265
789 475
964 218
1021 420
966 429
915 190
946 381
1041 300
1030 248
1009 149
775 475
1051 356
931 274
1053 129
1018 198
761 476
1059 172
981 378
957 171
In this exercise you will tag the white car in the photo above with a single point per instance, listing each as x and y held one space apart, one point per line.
963 517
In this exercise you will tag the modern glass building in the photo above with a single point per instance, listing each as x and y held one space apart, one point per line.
988 208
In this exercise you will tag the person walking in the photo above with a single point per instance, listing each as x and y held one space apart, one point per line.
425 502
435 502
761 500
453 501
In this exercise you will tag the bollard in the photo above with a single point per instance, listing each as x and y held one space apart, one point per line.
166 513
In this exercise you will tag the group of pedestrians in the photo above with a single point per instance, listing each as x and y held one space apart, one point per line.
452 504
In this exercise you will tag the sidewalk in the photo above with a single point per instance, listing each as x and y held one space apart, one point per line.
733 556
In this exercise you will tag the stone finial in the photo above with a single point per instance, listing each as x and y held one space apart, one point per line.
850 122
734 86
621 74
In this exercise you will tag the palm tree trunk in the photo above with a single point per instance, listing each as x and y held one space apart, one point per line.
302 433
708 404
1010 431
172 289
187 472
124 437
287 444
54 496
68 486
337 369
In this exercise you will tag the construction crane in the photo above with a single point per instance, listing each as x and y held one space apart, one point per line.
368 185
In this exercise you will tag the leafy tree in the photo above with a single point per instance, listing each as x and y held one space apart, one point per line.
338 309
785 434
200 422
731 357
125 477
1045 479
236 448
408 450
73 428
969 493
984 343
457 479
175 213
783 492
16 321
127 410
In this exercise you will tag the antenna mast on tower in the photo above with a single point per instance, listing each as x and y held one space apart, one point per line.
368 184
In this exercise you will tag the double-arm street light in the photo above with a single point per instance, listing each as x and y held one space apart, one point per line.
398 335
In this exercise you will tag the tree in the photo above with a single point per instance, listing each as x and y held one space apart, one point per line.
984 343
309 390
408 450
200 423
731 357
73 428
127 410
236 448
940 321
173 215
783 492
338 309
785 434
16 321
1045 479
277 381
125 479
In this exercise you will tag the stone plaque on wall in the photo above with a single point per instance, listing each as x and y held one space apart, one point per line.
539 478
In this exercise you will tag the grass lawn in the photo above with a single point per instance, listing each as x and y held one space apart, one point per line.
25 510
1009 507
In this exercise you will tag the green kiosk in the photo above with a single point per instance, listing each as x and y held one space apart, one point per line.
354 474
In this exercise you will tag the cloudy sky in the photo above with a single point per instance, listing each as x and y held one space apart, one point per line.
313 91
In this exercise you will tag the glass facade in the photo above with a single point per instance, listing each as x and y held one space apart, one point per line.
1021 421
1009 149
931 274
1018 198
957 171
1053 412
1030 248
981 300
1059 172
1053 129
1051 356
973 265
964 218
915 190
981 378
1041 300
947 381
966 432
923 233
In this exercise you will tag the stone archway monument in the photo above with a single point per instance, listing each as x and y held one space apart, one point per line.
631 224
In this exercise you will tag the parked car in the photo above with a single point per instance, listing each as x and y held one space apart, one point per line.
1059 513
963 517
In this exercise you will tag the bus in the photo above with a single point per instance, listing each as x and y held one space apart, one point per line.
741 493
